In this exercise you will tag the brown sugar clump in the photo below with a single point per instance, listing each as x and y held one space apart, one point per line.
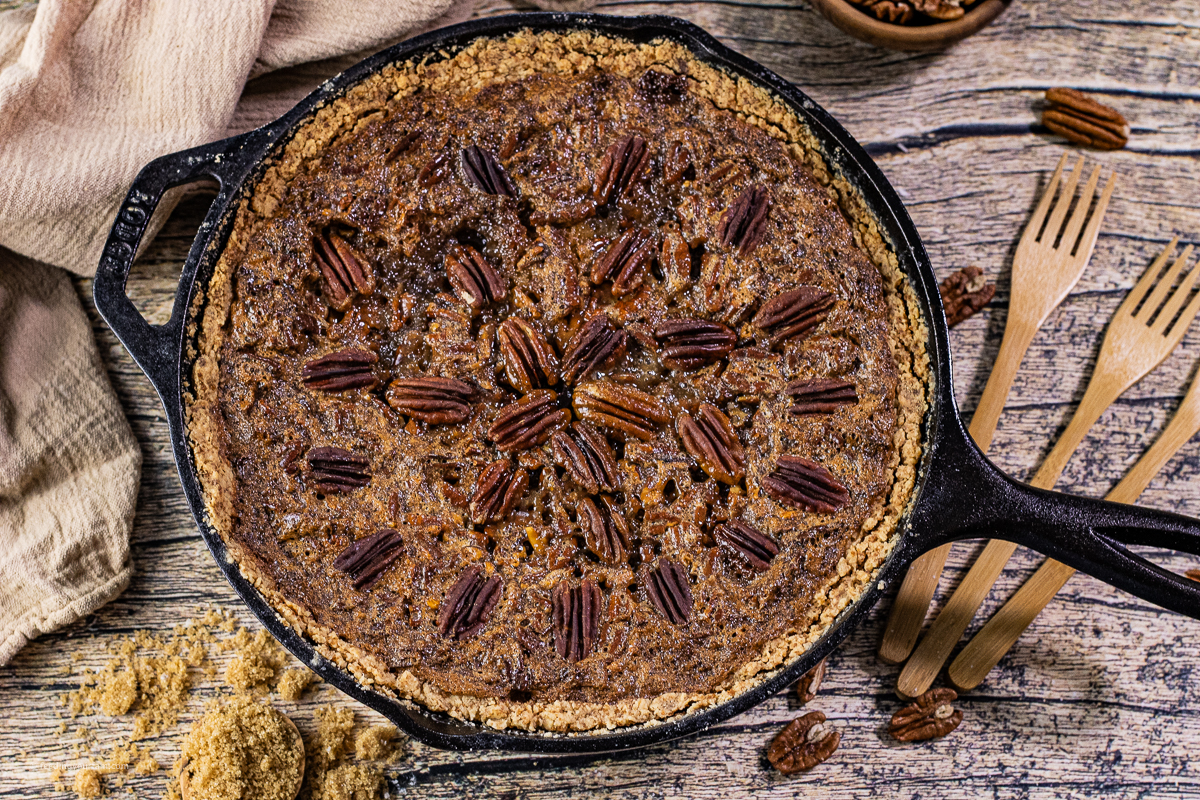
294 683
376 743
349 782
118 694
242 749
146 765
87 783
327 779
333 728
257 660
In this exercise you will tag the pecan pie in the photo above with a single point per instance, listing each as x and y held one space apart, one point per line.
557 384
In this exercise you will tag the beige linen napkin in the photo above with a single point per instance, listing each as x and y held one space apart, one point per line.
91 90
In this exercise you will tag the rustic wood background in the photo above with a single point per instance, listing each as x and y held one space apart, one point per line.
1098 699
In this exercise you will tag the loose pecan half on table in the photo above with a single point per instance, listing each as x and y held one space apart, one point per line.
929 716
964 293
1081 119
804 743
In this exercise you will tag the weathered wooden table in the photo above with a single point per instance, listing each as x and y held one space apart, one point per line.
1099 698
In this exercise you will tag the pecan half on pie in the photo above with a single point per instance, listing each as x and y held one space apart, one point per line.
553 392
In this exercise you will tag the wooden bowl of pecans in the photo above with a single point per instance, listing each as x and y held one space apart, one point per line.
912 25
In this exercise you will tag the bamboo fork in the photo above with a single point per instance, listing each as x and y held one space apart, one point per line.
1042 274
1002 631
1133 345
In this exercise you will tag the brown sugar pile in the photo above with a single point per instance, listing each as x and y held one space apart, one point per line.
154 678
242 749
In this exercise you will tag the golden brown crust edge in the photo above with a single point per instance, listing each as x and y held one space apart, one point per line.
488 61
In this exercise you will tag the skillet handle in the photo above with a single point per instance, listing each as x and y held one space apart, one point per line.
155 348
972 499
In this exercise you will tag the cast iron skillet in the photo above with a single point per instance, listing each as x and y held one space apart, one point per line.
960 494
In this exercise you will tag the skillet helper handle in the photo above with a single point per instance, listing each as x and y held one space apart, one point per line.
155 347
976 500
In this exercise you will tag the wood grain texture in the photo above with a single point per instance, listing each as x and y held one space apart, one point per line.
1098 699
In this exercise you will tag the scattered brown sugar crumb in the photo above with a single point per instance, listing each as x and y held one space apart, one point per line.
257 660
349 782
57 774
376 743
241 749
148 675
87 783
294 683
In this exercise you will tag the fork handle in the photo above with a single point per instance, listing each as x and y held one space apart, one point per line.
1018 334
1099 395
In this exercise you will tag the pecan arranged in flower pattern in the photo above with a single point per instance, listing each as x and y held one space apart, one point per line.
929 716
366 559
752 545
668 589
693 343
677 162
594 345
744 223
805 484
587 457
346 273
804 743
335 469
529 421
500 486
624 164
529 360
438 401
626 261
345 369
810 683
621 408
820 396
473 279
484 172
605 529
468 604
792 313
575 618
710 439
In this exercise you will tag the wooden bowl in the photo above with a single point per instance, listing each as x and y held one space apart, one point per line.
916 38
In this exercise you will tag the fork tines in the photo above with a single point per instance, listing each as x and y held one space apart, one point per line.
1159 310
1051 232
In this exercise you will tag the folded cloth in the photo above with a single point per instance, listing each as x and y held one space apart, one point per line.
91 90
